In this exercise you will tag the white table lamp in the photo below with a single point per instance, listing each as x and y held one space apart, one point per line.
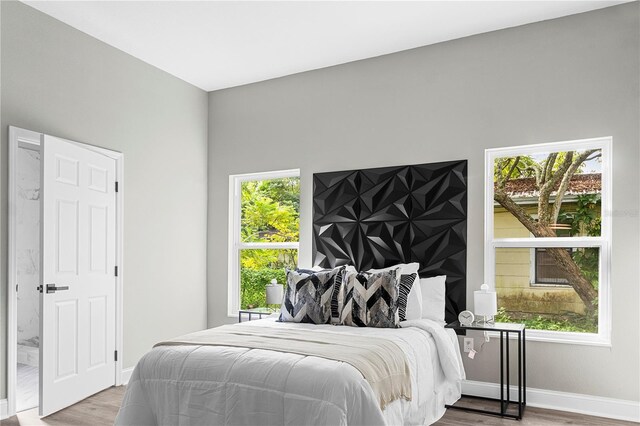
485 303
274 293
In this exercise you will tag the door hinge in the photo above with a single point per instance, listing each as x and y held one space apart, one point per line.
116 271
116 186
115 356
16 288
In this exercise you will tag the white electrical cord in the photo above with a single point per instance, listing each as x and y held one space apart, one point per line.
486 339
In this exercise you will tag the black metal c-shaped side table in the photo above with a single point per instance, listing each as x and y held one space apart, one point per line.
506 331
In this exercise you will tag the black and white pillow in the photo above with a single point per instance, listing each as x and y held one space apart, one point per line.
337 284
406 283
307 296
410 307
371 299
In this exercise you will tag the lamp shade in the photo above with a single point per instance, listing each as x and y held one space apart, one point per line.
274 293
485 301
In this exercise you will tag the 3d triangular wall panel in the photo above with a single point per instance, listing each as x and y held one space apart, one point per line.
375 218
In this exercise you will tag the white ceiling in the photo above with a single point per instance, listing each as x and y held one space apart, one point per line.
219 44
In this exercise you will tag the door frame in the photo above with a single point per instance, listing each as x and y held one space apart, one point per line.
22 137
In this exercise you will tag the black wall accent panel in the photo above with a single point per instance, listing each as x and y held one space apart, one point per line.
376 218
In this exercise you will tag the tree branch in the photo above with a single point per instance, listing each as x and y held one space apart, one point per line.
514 166
566 180
548 167
552 179
537 171
523 217
500 182
595 156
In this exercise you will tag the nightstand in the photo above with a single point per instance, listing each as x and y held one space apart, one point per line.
260 312
506 331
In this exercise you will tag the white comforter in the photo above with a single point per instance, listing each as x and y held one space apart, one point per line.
213 385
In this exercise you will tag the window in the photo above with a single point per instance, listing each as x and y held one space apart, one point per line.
547 239
546 271
264 219
543 270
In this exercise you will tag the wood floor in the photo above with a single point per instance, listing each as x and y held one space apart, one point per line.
102 408
532 417
97 410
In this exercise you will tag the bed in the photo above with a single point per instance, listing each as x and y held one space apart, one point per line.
366 219
216 385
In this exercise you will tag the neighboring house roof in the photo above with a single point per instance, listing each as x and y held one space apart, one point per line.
579 185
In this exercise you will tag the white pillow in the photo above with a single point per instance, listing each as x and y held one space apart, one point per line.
405 268
414 299
433 297
312 268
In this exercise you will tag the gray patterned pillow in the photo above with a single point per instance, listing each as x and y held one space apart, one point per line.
307 296
337 284
371 299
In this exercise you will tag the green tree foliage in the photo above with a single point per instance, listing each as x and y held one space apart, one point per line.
513 168
252 290
270 210
525 166
270 213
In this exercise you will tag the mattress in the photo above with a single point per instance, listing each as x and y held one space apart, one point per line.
220 385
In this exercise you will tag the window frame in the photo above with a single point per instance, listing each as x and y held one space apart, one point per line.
235 242
603 242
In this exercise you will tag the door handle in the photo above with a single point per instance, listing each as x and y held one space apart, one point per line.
51 288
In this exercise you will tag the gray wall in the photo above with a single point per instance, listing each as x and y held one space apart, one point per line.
60 81
565 79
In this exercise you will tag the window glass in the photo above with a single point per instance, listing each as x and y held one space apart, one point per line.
270 210
264 234
547 240
560 190
549 307
257 268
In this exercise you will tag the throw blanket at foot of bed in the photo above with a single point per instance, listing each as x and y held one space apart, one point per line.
380 361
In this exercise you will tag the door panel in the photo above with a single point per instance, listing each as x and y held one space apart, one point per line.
66 236
97 331
66 170
98 239
66 342
98 179
78 252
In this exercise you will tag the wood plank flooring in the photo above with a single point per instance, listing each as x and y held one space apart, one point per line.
97 410
102 408
532 417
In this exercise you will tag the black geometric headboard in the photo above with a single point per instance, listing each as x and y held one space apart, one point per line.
376 218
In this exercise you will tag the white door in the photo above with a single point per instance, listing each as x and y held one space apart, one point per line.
77 321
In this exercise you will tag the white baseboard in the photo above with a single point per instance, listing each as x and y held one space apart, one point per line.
126 375
564 401
3 409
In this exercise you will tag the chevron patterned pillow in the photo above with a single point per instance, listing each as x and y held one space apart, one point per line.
337 284
371 299
307 296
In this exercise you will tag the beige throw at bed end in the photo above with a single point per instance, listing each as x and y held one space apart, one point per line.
381 361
